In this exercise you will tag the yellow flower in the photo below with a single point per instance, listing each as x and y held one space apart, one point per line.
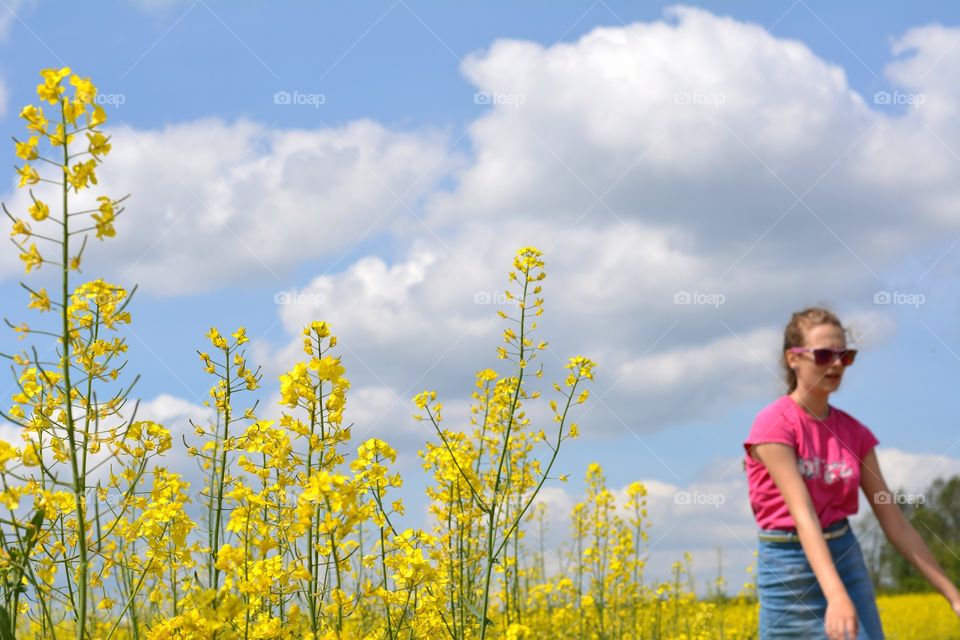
28 150
319 327
34 117
28 175
7 453
72 110
328 368
38 210
105 218
208 365
99 116
99 145
31 258
10 499
30 457
216 339
82 174
582 366
85 92
60 137
40 300
51 90
424 398
20 228
54 76
296 384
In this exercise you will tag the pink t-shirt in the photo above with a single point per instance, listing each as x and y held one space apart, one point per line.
829 453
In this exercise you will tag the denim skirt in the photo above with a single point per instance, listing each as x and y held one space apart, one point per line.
792 605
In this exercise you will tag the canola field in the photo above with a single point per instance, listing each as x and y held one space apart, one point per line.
288 527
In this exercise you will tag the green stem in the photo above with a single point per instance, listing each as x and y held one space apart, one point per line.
220 481
491 521
79 484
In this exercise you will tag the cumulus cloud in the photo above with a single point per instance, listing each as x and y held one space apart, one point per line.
427 320
218 203
914 472
750 146
692 181
656 129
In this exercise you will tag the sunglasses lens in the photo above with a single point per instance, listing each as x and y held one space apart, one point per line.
824 357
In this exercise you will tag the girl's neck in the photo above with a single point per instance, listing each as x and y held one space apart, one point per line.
816 405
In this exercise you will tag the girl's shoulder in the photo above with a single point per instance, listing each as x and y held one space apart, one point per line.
780 414
782 407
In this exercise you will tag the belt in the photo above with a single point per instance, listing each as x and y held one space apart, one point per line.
787 536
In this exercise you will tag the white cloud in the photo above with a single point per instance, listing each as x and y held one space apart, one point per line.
216 203
174 413
914 472
415 323
619 125
616 131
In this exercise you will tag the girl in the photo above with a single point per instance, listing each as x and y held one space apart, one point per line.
805 459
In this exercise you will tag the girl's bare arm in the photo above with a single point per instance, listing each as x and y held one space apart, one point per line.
780 460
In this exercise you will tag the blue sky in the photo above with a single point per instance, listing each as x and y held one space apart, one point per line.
408 197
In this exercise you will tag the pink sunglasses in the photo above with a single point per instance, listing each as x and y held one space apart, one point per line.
823 357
